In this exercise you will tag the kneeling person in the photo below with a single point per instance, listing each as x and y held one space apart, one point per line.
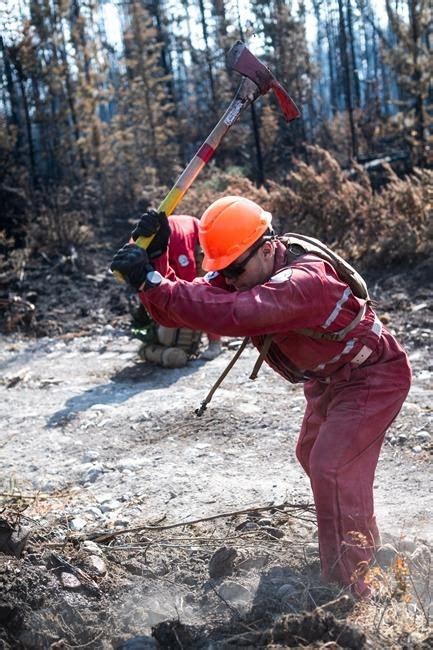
167 346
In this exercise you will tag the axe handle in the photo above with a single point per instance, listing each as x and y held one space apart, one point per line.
246 94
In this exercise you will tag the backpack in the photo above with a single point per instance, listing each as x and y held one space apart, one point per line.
298 245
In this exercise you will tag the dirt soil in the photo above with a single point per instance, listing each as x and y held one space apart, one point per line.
128 522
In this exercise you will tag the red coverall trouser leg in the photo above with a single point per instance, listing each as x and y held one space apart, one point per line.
342 432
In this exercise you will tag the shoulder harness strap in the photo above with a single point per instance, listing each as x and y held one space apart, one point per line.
298 245
335 336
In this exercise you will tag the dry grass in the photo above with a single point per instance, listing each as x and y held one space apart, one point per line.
399 612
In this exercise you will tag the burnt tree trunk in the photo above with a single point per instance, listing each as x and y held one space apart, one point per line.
346 79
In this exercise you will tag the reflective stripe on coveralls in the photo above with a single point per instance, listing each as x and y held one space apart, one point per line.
362 355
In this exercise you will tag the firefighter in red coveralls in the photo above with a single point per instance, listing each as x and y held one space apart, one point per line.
184 257
354 386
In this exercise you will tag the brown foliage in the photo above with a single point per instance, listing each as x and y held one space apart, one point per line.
391 225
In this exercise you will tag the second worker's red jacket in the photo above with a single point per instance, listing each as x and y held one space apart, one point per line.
182 246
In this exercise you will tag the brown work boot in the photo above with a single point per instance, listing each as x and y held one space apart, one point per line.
168 357
213 350
174 358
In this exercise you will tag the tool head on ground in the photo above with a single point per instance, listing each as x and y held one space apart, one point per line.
243 61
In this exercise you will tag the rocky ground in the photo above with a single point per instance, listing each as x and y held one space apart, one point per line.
128 522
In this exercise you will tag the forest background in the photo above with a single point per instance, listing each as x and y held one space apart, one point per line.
103 103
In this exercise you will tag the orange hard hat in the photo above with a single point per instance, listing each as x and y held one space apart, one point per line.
228 227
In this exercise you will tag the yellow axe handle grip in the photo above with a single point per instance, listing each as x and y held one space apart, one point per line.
144 242
168 205
118 276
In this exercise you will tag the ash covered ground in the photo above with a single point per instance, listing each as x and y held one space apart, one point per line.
126 519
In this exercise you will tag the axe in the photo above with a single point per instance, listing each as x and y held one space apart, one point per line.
257 80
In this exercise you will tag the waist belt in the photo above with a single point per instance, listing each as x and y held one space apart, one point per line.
357 360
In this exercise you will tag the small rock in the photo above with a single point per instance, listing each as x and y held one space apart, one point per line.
48 486
311 550
277 576
233 591
90 455
276 533
92 547
109 506
247 525
221 562
105 496
93 510
423 435
137 568
253 563
93 473
13 539
386 555
95 565
101 407
78 523
288 590
411 406
129 463
422 305
417 449
122 522
265 522
69 581
401 300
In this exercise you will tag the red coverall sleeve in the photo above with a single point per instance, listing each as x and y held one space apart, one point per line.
290 301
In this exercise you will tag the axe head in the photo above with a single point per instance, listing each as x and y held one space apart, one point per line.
239 58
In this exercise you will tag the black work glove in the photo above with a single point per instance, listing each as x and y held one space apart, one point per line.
132 262
153 223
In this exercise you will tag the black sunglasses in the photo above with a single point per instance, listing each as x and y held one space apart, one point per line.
236 269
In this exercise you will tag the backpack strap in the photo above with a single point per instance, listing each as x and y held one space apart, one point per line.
263 352
297 245
199 411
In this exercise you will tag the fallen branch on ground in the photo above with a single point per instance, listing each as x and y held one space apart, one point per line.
81 575
101 537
